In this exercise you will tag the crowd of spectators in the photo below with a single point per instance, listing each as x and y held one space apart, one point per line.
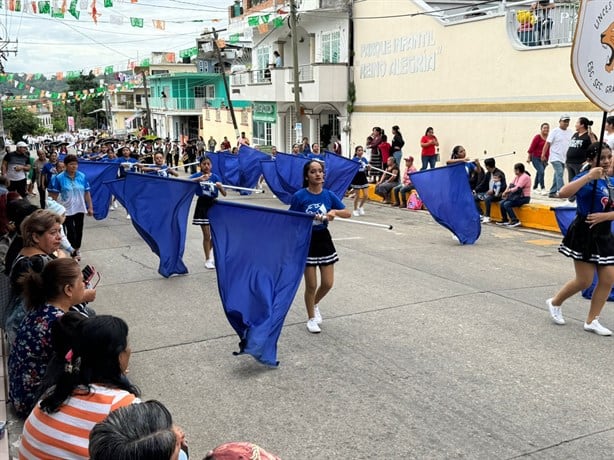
67 367
562 148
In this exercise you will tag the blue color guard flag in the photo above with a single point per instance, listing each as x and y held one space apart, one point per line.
284 175
258 277
446 193
226 165
269 171
564 217
338 173
97 173
249 166
290 171
159 208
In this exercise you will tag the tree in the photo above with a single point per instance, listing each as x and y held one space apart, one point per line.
58 119
80 108
19 122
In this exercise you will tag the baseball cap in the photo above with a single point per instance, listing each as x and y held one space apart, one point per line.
564 117
409 158
21 144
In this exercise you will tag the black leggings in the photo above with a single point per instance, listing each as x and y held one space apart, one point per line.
73 226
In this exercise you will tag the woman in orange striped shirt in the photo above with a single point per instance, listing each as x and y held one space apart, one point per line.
93 384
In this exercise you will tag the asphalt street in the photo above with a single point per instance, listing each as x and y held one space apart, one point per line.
428 350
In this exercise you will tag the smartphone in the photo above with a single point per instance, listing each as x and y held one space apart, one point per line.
90 276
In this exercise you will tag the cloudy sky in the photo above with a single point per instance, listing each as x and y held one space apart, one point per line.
48 45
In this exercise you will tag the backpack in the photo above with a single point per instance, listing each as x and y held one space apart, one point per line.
414 202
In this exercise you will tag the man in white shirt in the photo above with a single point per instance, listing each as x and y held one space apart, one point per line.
15 166
557 144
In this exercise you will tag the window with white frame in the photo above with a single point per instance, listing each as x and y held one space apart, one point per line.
331 46
262 133
263 57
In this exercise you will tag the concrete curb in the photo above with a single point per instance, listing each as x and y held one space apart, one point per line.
537 215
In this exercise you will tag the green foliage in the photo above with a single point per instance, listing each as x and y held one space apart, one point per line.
80 109
20 122
351 97
58 119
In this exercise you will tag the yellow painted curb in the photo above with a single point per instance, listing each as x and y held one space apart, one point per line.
538 216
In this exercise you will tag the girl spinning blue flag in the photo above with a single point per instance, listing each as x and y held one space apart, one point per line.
324 205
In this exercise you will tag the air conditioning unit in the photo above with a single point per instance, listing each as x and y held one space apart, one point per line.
230 54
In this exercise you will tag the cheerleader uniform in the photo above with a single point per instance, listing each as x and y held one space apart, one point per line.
207 194
594 245
321 248
360 179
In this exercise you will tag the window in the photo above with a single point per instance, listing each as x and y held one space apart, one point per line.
262 133
263 56
331 46
207 91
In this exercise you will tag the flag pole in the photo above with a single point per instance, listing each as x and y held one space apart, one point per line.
501 154
380 170
360 222
245 189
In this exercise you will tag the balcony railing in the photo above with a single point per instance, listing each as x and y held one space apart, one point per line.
554 27
318 82
184 103
263 76
305 73
124 106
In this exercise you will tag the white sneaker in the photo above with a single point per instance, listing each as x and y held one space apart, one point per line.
128 216
543 192
361 211
597 328
486 220
555 313
312 326
318 315
114 205
356 213
210 264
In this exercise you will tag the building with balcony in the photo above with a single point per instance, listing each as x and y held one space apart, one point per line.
323 55
468 72
181 96
127 109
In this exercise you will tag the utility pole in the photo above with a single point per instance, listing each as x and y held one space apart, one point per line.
226 88
149 124
295 70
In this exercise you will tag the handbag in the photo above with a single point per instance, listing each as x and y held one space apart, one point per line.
516 194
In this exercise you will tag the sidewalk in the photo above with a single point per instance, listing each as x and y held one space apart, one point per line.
538 214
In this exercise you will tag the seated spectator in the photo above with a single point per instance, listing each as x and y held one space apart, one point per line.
476 175
48 295
239 451
406 186
485 186
493 194
388 181
515 195
138 432
92 383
